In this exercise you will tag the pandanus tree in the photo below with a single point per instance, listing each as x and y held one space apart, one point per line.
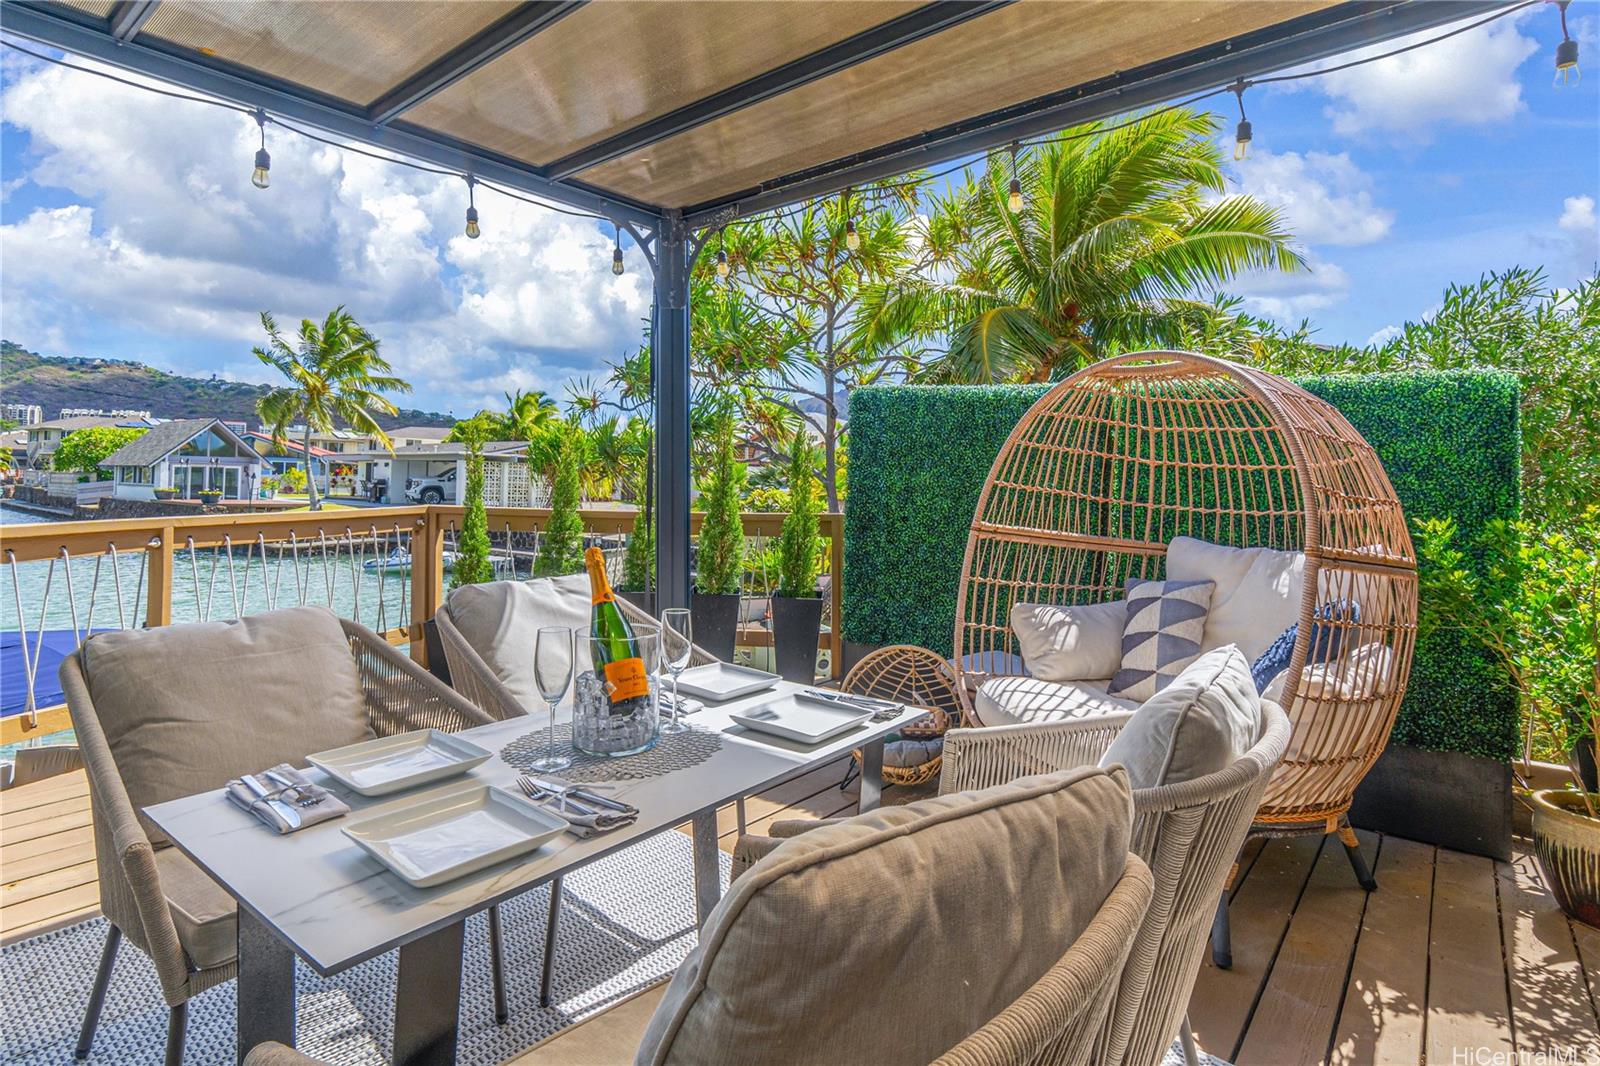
1120 239
335 375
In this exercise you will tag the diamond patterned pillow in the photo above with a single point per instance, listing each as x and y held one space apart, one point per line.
1166 620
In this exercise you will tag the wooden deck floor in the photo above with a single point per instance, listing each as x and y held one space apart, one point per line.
1453 954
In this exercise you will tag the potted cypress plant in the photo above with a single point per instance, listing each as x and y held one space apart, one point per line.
1536 607
562 551
719 551
472 565
797 609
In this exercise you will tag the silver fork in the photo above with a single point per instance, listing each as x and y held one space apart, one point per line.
302 797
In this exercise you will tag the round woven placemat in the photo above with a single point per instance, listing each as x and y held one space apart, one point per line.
673 751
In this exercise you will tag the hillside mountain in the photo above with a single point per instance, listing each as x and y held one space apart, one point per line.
54 382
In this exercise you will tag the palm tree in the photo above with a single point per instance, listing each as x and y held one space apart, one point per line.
1121 233
527 413
335 375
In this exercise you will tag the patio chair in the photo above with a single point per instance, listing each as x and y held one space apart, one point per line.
168 712
1187 831
784 974
488 632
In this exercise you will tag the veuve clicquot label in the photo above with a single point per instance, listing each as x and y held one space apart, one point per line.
616 652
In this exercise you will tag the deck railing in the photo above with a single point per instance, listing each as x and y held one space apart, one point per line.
61 581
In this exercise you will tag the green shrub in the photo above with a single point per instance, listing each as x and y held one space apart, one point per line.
562 551
1449 440
799 548
719 554
472 564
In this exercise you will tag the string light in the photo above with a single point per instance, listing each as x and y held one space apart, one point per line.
1566 51
723 269
1014 199
1241 134
616 253
472 209
260 176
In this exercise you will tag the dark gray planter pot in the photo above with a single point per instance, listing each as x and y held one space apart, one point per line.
796 627
716 622
645 601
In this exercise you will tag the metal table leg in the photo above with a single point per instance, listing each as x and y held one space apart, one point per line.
871 776
266 985
427 1001
707 870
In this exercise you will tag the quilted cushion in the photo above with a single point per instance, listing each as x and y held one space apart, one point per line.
1015 700
1257 594
992 886
501 620
1070 642
1208 717
1166 620
187 707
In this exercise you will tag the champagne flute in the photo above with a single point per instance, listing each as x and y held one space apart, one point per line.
677 643
554 650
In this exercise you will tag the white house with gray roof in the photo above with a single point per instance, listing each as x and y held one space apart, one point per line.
190 455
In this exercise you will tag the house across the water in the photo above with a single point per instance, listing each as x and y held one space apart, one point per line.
191 455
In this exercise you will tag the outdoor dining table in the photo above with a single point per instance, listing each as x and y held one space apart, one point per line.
316 894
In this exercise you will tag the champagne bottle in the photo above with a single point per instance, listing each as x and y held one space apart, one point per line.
616 653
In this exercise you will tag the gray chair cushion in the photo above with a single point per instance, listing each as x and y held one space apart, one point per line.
1020 700
205 916
806 958
187 707
501 620
1200 724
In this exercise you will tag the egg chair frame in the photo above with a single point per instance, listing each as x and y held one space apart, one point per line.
1112 463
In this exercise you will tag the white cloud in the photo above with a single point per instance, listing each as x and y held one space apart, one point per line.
1324 198
168 239
1291 297
1384 336
1577 214
1574 251
1469 79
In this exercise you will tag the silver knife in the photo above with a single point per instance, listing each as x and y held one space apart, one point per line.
585 796
290 815
865 703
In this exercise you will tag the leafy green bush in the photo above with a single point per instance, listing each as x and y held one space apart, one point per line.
472 564
1449 441
562 551
799 548
84 450
719 555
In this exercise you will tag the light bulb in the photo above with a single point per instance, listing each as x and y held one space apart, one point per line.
852 239
472 223
1241 140
1567 62
723 269
259 176
616 261
1014 200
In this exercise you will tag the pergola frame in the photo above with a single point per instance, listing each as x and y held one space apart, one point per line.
664 232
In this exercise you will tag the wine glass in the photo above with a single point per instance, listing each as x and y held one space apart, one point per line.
554 650
677 643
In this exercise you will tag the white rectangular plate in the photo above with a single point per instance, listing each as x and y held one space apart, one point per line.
724 681
807 721
389 764
456 834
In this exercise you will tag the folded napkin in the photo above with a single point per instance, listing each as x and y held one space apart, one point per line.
685 704
585 817
282 808
882 710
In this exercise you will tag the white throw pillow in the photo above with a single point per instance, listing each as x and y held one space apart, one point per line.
1257 594
1070 642
501 620
1209 716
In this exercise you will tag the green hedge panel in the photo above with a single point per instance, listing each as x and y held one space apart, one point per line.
1450 441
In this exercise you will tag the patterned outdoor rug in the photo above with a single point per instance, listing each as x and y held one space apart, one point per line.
627 923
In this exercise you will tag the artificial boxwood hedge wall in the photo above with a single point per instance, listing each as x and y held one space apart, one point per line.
918 456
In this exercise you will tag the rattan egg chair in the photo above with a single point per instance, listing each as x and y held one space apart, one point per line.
1111 464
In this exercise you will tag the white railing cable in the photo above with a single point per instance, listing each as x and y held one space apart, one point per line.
72 599
29 666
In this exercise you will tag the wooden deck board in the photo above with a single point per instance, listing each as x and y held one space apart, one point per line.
1421 966
1380 1023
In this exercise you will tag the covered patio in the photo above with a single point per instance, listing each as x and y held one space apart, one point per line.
669 123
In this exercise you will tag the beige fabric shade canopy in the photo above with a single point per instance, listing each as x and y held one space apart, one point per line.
698 105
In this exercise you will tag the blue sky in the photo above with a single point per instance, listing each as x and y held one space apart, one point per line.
129 229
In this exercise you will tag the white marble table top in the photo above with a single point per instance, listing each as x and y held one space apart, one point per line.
337 906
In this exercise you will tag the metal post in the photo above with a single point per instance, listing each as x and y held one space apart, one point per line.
670 350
